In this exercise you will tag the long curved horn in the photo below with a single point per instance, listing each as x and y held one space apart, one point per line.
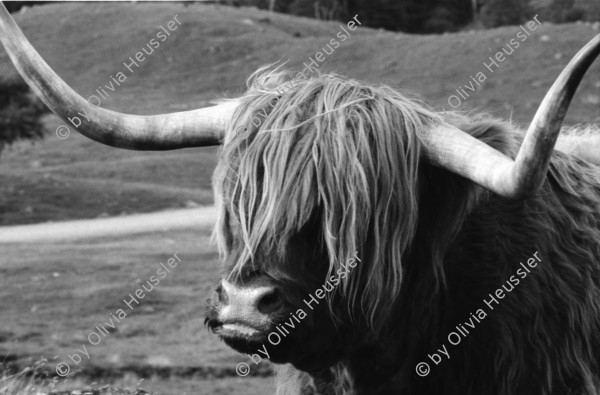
460 153
196 128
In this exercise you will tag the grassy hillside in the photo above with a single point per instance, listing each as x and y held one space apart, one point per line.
210 55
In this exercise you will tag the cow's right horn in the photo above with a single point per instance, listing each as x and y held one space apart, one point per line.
463 154
195 128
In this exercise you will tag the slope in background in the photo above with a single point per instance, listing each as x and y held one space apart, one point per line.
210 56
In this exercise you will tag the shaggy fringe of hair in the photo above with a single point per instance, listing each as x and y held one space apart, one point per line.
327 144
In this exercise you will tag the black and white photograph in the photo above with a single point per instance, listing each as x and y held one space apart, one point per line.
300 197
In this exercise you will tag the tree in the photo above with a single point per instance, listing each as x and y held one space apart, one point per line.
20 113
414 16
450 15
496 13
14 6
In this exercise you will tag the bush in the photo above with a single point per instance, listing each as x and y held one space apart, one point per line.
441 20
495 13
573 15
14 6
20 113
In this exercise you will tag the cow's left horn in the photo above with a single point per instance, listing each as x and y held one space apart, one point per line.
460 153
195 128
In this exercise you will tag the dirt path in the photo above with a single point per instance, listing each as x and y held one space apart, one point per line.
196 218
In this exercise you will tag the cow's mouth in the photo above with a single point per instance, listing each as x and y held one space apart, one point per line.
239 335
236 329
248 338
239 328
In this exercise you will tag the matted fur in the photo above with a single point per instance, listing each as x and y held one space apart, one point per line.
293 146
433 245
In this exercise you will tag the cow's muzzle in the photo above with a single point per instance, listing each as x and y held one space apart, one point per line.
244 311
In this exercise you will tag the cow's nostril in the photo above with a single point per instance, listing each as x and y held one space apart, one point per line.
270 302
223 297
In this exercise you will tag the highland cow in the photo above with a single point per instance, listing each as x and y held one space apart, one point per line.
336 168
436 212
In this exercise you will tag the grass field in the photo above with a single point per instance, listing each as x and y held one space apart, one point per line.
53 295
50 306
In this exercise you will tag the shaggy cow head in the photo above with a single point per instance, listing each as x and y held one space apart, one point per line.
315 191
